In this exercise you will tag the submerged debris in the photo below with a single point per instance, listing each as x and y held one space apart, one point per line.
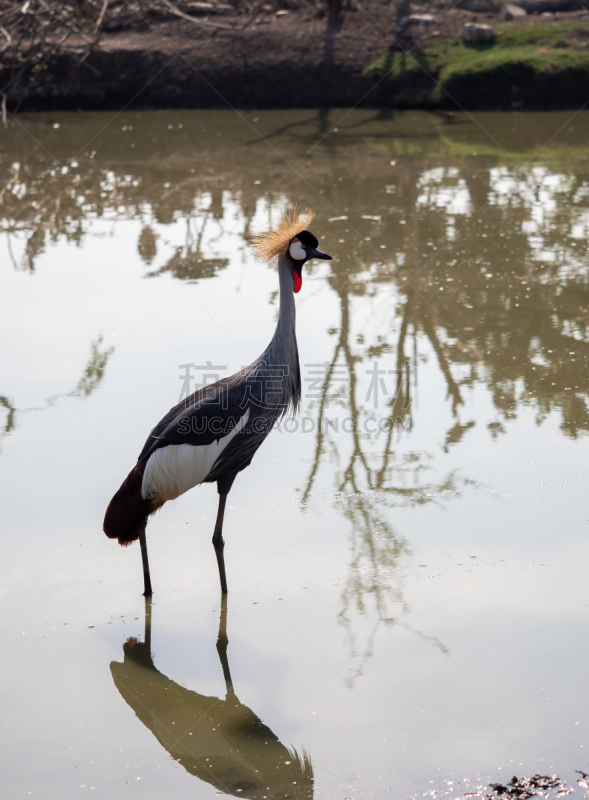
535 786
530 787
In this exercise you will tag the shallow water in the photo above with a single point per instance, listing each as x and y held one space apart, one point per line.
407 561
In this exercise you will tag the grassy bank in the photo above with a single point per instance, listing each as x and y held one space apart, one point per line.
536 64
291 60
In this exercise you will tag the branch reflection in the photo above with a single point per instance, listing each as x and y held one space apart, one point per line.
91 378
369 477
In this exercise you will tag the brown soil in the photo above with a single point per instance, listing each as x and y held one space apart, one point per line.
286 61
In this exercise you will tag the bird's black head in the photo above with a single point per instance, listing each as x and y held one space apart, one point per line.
302 248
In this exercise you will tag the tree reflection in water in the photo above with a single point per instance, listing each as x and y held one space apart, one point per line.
474 253
369 477
220 741
488 261
10 416
188 262
90 380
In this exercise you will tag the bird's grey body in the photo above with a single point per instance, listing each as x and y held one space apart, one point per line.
214 434
233 415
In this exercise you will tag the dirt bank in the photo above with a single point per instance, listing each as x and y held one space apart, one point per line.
290 61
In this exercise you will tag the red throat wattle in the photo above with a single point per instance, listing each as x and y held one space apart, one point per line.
297 282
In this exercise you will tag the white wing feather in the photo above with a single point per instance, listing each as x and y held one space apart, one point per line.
173 470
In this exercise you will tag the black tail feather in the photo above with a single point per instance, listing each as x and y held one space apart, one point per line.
127 513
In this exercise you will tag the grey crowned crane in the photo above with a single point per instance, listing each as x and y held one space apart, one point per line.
214 433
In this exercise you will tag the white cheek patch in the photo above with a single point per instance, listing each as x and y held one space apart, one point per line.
296 251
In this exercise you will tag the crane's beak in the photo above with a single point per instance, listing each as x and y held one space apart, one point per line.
318 254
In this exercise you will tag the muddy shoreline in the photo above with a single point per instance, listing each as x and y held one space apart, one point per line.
287 61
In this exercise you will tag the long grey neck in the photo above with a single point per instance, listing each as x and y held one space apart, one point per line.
286 327
283 347
282 350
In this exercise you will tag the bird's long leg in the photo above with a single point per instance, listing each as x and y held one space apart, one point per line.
224 485
219 543
222 642
146 576
147 633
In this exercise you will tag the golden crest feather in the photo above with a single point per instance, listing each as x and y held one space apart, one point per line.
274 243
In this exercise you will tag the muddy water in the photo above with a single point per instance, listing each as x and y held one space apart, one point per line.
407 561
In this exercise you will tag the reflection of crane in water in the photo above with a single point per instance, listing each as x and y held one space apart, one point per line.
222 742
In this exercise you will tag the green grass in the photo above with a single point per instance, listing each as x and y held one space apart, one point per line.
444 146
541 34
542 62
